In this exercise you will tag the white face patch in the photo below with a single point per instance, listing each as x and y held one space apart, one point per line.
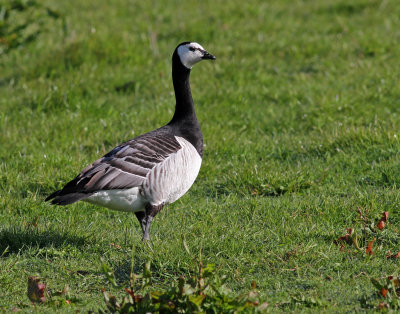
190 54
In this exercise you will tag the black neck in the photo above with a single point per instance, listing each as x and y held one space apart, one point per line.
184 107
184 121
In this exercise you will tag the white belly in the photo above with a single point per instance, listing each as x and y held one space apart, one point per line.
172 178
128 200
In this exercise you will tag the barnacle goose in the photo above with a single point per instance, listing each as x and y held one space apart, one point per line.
153 169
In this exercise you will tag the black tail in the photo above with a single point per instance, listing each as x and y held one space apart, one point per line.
57 198
52 195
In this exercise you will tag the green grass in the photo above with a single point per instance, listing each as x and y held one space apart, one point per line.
300 115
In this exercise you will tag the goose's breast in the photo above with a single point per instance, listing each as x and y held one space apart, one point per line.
172 178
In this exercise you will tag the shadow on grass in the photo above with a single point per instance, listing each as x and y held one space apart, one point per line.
17 239
348 9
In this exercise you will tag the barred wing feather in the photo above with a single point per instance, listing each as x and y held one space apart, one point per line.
125 167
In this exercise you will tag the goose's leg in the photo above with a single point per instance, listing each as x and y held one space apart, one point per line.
151 212
141 216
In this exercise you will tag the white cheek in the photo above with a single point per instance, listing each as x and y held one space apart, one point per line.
189 58
198 55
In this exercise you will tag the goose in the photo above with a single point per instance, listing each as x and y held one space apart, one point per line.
144 174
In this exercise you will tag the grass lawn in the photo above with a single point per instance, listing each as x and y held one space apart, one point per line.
301 121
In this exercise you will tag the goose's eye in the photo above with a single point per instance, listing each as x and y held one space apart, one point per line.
191 49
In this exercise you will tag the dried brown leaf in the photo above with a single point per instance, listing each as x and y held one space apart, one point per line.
383 305
382 222
392 256
37 290
346 238
132 294
369 248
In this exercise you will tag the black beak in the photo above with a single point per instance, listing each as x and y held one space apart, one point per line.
208 56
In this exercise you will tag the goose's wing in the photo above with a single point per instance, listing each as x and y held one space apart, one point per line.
125 167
